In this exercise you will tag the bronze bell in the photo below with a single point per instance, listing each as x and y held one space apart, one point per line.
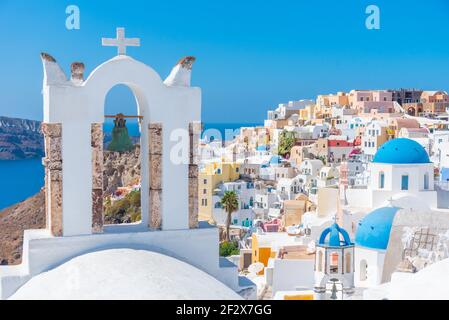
121 142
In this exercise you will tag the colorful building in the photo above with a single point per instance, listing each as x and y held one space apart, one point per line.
210 176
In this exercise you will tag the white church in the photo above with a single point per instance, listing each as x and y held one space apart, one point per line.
400 166
169 254
401 193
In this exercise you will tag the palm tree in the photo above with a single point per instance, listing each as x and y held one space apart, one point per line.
230 204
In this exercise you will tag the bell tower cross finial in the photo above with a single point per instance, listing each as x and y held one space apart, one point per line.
121 42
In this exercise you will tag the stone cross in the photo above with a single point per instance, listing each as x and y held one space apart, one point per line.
121 42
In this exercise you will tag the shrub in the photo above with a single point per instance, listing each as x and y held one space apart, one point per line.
229 249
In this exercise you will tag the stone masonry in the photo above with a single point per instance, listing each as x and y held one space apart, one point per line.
194 136
97 177
155 166
53 176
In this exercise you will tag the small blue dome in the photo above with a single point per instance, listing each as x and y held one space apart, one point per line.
374 229
275 160
334 232
262 148
401 151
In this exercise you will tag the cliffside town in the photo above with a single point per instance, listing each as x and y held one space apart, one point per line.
343 187
324 189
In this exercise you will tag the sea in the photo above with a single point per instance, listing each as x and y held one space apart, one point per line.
21 179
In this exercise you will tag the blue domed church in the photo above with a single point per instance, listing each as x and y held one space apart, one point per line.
334 261
401 178
401 166
371 240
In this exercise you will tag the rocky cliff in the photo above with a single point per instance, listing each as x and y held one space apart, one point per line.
29 214
20 139
120 169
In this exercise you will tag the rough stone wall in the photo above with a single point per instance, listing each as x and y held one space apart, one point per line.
194 136
436 221
53 179
155 166
97 177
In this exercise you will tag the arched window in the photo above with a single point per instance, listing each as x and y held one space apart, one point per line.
426 181
363 270
404 182
320 261
348 262
381 180
333 266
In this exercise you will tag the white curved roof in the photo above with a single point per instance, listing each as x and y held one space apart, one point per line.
431 283
125 274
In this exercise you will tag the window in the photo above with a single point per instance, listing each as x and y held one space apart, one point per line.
381 180
333 266
426 181
204 191
205 181
404 182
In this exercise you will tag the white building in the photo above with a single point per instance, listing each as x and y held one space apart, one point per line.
327 177
400 166
245 214
374 136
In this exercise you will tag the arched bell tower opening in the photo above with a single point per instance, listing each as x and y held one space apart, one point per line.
127 163
122 158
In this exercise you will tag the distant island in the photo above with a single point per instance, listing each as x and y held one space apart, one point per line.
20 139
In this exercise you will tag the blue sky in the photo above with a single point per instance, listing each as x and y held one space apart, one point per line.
251 55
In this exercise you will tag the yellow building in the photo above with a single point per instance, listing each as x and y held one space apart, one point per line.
261 251
208 179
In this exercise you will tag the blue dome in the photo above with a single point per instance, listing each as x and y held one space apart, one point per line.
401 151
262 148
374 229
275 160
334 232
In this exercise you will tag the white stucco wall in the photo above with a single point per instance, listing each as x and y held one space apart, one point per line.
374 260
289 274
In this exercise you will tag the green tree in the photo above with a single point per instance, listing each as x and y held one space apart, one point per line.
229 249
230 204
286 142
